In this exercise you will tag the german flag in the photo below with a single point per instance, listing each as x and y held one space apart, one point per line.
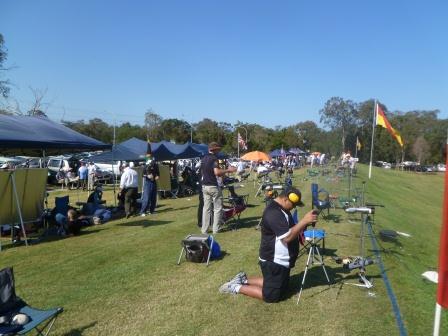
383 122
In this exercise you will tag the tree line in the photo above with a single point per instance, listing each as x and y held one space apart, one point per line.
343 120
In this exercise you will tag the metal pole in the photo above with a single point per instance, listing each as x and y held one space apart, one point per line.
238 143
373 134
437 316
19 211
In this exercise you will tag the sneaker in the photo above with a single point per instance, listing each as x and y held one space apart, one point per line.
239 279
143 215
228 288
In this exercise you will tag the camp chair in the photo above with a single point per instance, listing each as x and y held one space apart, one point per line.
320 198
232 207
197 248
11 305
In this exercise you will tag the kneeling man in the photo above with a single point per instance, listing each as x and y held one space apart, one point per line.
279 249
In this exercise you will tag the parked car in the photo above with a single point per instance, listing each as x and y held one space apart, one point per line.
57 163
110 168
441 167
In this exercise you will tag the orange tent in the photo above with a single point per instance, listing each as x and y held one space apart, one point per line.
256 156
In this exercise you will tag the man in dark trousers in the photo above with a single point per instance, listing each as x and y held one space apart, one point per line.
210 189
150 176
129 188
279 249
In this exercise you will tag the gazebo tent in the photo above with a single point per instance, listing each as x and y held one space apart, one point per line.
135 149
35 136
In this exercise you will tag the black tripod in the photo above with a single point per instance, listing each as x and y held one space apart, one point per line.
313 255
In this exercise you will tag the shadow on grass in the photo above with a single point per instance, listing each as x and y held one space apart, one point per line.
144 223
233 225
176 209
42 239
315 277
79 331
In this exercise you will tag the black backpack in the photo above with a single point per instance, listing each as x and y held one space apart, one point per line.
196 252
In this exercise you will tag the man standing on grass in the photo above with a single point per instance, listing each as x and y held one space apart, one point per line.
210 189
129 188
82 173
279 249
150 176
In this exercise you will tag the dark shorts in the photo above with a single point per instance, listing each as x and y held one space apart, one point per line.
275 281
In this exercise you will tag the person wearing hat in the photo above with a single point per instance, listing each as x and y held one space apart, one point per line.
279 248
212 193
150 176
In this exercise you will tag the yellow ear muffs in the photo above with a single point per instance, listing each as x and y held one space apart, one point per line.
294 198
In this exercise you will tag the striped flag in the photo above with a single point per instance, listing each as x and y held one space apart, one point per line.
383 122
241 142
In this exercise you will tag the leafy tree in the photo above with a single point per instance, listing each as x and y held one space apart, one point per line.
175 130
96 128
339 114
4 83
126 131
420 148
152 124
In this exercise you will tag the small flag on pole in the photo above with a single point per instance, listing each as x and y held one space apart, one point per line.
383 122
241 142
358 144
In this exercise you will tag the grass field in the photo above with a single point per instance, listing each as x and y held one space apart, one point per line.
121 278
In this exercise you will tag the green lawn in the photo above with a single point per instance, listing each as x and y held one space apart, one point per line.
122 278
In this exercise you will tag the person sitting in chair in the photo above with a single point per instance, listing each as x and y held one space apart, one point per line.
279 249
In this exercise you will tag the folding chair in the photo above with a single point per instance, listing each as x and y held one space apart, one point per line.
320 198
197 248
233 206
11 305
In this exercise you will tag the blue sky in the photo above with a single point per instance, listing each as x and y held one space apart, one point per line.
266 62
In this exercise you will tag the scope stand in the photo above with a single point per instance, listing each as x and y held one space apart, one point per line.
364 282
313 254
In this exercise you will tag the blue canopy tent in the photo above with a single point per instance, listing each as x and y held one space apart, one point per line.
163 150
296 151
118 153
37 136
279 152
34 136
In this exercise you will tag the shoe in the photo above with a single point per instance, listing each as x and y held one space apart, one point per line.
143 215
229 288
239 279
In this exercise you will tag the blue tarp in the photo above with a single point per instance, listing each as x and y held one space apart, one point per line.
24 135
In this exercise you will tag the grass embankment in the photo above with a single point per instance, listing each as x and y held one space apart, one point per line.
122 278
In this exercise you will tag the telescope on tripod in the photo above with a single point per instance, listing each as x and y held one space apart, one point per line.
360 262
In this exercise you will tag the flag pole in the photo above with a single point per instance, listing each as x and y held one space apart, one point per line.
373 135
442 286
238 144
437 320
356 147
